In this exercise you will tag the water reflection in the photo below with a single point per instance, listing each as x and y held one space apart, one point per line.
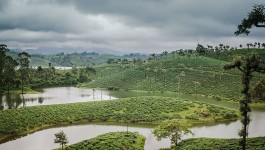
57 95
10 101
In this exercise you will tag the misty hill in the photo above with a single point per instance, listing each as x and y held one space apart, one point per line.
52 51
75 59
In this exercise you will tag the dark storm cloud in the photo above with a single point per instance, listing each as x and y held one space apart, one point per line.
208 17
123 24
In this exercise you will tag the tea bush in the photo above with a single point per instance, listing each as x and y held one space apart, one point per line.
112 140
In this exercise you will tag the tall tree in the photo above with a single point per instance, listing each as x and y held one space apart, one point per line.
39 71
3 50
200 49
255 18
247 66
23 68
9 72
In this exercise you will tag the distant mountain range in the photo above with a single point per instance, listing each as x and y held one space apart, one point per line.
69 57
51 51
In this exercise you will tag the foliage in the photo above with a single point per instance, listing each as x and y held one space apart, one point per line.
138 109
28 77
257 143
3 50
23 68
249 65
256 17
112 140
200 49
61 138
9 72
173 129
258 91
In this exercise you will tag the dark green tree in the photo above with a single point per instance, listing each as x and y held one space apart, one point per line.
23 68
9 72
247 66
173 129
39 71
61 138
3 50
255 18
200 49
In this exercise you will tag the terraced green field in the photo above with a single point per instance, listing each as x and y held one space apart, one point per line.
189 75
224 144
136 109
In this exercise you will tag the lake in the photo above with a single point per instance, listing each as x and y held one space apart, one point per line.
56 95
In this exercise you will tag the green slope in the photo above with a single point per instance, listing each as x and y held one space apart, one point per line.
257 143
112 141
201 75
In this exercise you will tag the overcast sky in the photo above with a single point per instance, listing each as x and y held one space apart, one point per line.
147 26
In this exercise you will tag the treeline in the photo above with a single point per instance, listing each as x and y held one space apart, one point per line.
15 73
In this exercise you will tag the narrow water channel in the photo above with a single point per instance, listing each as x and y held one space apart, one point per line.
44 140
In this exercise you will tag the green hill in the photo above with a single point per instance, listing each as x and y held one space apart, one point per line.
112 140
257 143
75 59
186 74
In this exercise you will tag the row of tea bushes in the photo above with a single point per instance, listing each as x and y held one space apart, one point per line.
257 143
112 140
135 109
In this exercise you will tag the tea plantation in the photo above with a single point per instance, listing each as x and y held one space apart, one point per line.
112 140
190 75
136 109
224 144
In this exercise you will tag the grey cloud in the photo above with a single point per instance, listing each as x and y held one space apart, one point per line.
122 24
3 4
163 13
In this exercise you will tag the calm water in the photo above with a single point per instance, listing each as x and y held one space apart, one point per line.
57 95
44 140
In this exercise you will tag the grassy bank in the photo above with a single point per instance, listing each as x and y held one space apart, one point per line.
136 109
257 143
112 140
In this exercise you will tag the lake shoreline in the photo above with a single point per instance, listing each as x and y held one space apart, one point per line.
73 119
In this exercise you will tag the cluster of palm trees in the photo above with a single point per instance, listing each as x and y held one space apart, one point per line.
255 45
227 47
